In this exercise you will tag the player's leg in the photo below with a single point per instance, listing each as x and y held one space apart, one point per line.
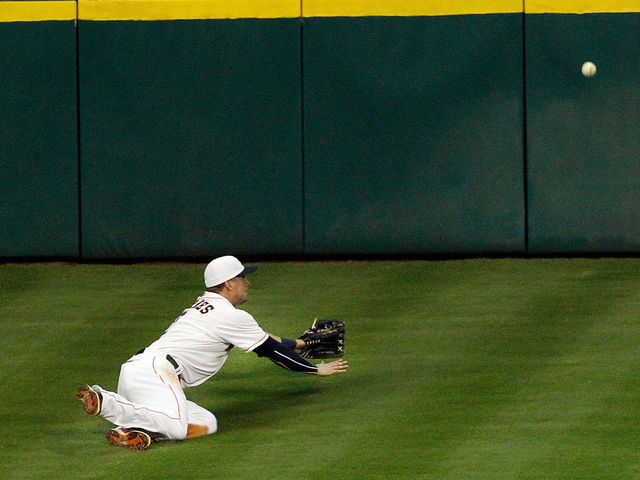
92 399
149 397
201 421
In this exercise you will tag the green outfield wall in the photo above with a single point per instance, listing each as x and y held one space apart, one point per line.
191 137
38 140
583 134
413 134
160 128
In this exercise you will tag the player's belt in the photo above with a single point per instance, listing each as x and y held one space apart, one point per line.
169 358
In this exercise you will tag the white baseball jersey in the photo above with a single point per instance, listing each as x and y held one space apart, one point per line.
200 339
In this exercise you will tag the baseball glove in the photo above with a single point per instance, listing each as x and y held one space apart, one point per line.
324 339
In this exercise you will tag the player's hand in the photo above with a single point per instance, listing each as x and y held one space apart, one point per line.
337 366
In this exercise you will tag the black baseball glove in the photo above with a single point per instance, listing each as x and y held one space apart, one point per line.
324 339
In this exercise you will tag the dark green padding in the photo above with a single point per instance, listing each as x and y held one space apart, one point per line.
583 133
195 141
38 140
191 137
414 134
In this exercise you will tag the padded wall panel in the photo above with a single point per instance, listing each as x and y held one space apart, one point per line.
583 133
413 134
191 137
38 141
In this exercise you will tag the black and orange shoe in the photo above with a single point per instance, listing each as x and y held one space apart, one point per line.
92 400
129 438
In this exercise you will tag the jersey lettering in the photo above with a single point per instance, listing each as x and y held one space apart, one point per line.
202 306
206 309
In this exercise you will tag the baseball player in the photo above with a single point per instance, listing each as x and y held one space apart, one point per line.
150 404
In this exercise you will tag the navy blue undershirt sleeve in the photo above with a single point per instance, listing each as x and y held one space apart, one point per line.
284 357
288 342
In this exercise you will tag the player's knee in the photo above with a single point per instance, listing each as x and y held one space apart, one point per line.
213 424
204 427
176 431
195 430
210 422
202 423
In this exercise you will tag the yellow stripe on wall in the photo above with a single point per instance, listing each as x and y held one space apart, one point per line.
105 10
582 6
364 8
37 11
186 9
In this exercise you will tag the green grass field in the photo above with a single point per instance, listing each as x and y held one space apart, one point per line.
468 369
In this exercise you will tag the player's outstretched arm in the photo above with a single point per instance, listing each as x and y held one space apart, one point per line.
337 366
282 354
296 345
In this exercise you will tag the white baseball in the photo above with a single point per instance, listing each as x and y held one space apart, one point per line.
588 69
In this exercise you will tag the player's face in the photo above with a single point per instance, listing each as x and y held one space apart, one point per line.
241 290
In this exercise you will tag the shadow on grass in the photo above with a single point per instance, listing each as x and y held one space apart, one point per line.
246 407
241 409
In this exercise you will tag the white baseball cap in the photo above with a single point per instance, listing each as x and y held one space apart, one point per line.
224 268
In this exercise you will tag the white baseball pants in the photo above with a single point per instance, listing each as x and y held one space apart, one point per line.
150 397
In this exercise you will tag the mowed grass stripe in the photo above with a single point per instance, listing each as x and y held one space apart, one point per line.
540 381
471 369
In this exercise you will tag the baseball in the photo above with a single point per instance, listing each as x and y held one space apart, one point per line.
588 69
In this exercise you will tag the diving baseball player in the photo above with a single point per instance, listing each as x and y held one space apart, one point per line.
150 403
